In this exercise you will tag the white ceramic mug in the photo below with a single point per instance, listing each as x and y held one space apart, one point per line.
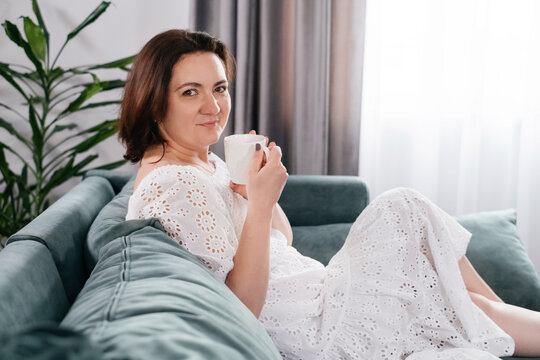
239 151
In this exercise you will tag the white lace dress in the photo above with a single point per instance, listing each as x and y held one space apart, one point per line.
394 290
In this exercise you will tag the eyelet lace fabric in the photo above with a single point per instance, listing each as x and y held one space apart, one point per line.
394 291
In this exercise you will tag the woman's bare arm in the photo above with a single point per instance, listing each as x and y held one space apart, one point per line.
249 277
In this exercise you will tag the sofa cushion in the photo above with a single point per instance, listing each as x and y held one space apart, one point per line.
306 199
497 253
149 298
47 341
62 228
320 242
30 287
104 228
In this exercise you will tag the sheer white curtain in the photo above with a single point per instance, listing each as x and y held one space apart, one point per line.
451 105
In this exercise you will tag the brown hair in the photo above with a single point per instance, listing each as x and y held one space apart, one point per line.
144 103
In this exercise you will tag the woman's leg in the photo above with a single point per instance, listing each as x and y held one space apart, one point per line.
473 282
523 325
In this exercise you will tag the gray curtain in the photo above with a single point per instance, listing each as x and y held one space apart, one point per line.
299 76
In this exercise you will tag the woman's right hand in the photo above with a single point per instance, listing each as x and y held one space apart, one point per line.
266 179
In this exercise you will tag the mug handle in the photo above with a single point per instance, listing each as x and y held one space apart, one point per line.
266 152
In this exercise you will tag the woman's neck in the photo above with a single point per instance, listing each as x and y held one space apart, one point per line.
185 155
172 154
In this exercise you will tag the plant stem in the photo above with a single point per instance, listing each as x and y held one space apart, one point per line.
59 52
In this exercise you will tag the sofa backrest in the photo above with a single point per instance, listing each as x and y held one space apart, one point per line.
310 200
62 229
107 223
321 210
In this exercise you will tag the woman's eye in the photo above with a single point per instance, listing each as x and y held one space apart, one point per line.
221 89
189 92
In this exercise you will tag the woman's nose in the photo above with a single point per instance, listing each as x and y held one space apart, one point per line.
210 105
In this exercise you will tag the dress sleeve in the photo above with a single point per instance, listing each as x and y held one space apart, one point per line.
192 212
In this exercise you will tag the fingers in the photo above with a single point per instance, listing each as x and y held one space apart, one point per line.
275 153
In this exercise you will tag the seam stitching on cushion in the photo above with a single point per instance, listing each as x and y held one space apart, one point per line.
127 262
21 237
123 276
110 309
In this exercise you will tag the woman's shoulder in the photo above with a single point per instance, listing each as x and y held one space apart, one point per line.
165 176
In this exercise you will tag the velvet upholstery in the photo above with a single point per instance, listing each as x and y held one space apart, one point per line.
63 226
148 297
497 253
108 223
146 293
30 287
320 242
318 200
46 341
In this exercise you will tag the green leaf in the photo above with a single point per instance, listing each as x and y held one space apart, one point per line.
110 166
56 73
99 104
35 38
13 33
8 175
78 71
80 165
41 23
23 192
59 176
106 125
113 84
94 139
37 136
120 63
66 172
10 129
34 76
12 110
5 72
60 128
100 9
86 94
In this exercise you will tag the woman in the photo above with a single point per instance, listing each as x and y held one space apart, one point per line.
399 287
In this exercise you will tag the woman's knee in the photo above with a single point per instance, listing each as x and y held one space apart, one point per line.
400 195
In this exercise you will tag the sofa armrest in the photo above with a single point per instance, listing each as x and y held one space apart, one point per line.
317 200
117 178
62 228
31 291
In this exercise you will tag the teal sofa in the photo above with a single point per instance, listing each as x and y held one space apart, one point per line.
80 282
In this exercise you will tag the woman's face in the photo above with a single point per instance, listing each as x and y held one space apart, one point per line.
198 102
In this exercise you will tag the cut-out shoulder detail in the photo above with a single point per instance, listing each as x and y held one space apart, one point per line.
212 158
394 290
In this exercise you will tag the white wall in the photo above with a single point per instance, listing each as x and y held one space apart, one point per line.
121 31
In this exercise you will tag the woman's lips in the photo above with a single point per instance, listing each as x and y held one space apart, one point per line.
210 124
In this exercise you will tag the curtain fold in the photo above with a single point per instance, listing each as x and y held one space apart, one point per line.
299 76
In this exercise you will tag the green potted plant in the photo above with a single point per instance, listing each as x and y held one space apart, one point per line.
52 96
